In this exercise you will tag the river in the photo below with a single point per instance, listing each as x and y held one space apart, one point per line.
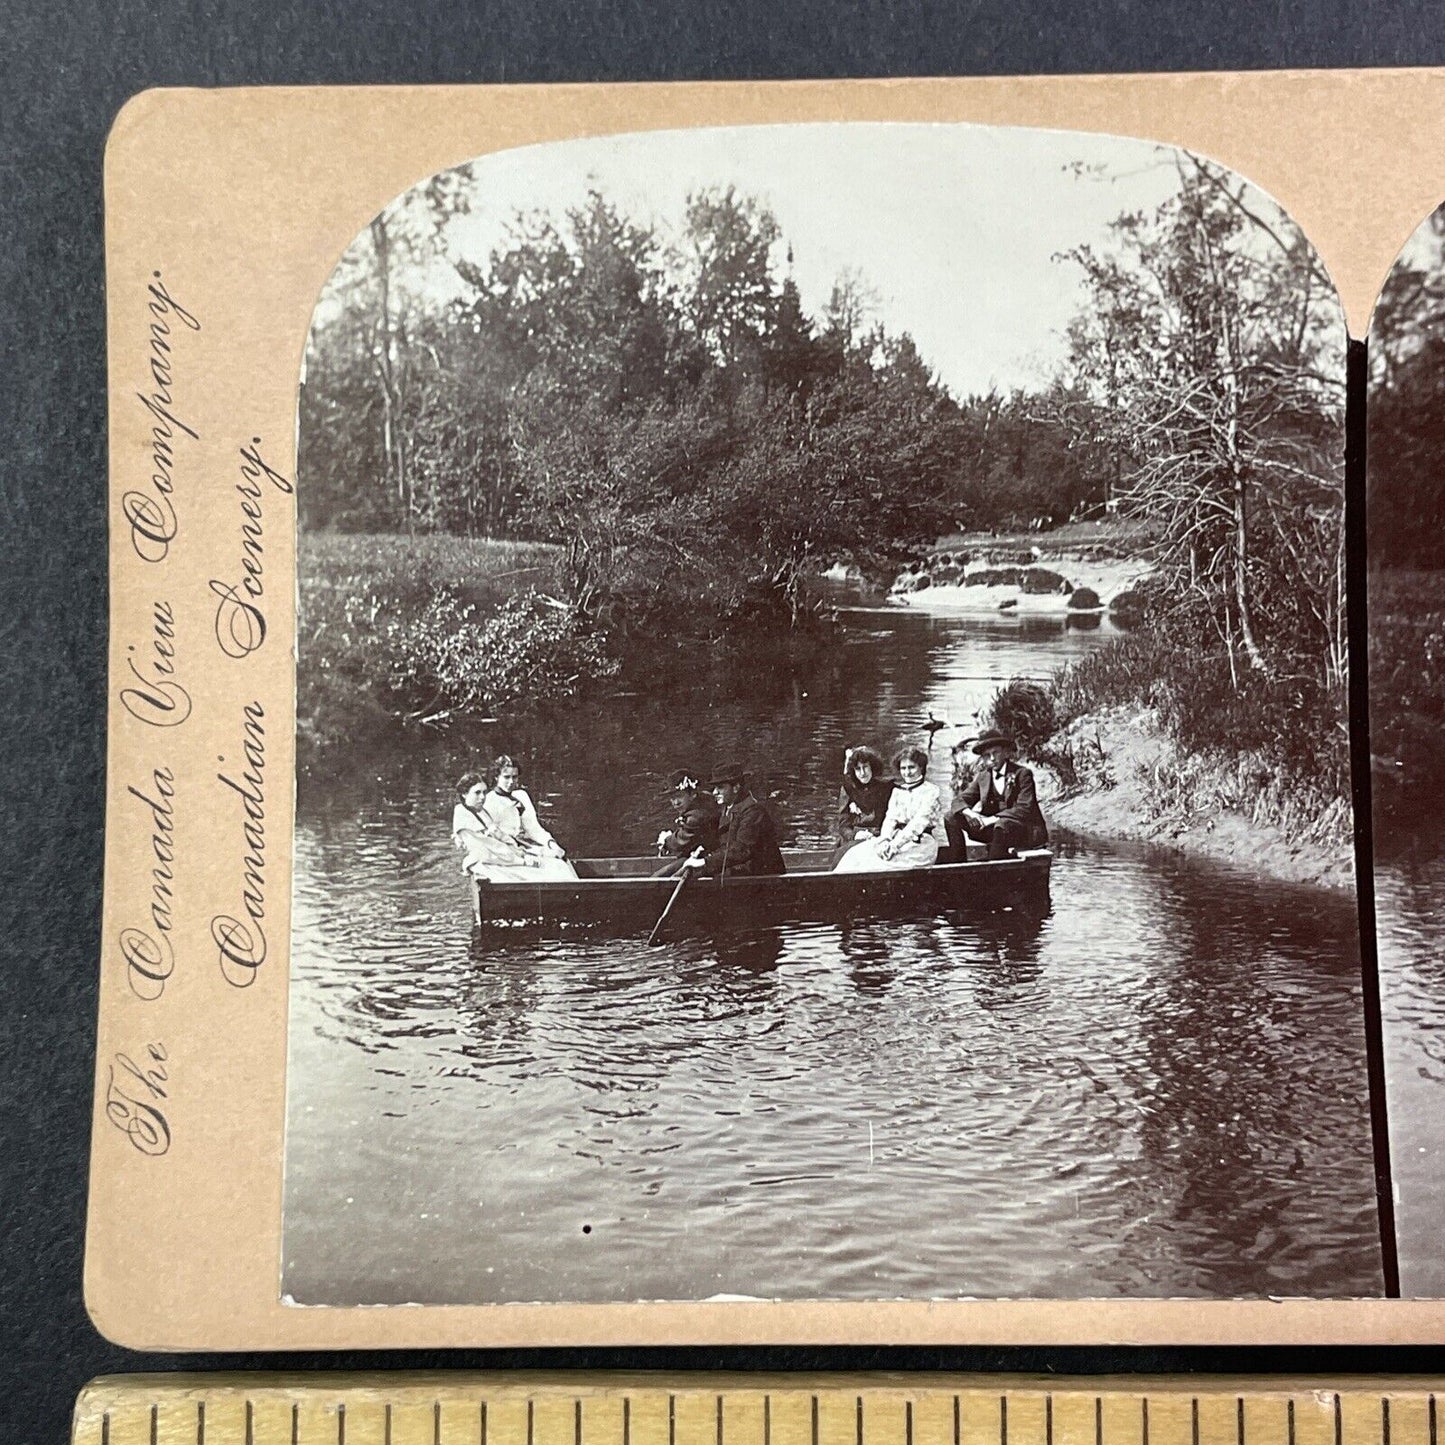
1410 929
1158 1089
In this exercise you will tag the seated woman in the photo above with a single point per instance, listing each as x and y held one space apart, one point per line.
498 831
862 800
912 825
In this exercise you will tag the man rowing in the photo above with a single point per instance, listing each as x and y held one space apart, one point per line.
695 824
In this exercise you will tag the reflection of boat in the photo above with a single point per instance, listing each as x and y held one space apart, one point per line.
621 893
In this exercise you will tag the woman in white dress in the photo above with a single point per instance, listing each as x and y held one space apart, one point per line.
499 834
912 826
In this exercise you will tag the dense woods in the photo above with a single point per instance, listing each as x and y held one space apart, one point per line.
1406 497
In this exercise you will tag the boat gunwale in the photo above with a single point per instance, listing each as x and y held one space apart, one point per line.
1032 859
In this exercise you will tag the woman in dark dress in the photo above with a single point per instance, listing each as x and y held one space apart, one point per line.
863 798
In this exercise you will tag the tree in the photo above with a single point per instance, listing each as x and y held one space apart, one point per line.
1407 407
728 287
1212 346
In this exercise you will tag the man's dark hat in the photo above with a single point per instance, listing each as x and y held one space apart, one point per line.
730 773
993 738
684 778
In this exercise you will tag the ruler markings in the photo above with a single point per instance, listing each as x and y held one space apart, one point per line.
887 1412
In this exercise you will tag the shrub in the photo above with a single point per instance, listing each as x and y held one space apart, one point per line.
1025 711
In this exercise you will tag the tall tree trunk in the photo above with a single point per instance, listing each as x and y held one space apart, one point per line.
1238 488
384 355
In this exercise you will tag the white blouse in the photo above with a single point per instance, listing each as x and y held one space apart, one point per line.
913 813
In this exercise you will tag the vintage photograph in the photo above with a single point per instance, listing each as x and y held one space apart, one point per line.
822 738
1406 506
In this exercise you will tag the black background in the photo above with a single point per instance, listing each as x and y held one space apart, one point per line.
64 72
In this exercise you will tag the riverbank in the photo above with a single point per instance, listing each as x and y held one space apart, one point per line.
1117 774
1407 701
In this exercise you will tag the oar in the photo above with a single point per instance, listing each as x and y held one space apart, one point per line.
681 884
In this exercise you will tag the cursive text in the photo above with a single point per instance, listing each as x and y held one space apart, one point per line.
150 511
134 1093
148 954
240 619
241 941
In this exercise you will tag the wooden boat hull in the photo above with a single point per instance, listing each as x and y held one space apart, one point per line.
620 894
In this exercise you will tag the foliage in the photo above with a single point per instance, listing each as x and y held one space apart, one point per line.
417 631
1407 408
1296 728
1212 352
1025 711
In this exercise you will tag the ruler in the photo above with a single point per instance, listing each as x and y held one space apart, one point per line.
464 1408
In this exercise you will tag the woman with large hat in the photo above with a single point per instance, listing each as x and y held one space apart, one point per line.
998 805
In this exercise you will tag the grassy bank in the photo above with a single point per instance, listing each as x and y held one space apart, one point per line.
424 631
1407 699
416 629
1147 740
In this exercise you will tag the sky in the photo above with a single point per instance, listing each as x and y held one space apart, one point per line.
955 228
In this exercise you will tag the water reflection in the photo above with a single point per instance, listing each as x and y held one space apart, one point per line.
1410 928
1154 1089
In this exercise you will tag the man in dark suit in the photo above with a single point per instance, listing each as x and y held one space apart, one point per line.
748 846
999 806
695 826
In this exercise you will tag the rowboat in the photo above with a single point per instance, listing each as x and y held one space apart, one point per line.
621 893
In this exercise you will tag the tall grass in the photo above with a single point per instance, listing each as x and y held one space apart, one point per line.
1273 749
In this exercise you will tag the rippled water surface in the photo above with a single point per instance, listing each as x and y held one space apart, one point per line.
1157 1088
1410 913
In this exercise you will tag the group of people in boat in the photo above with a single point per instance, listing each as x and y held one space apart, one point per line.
883 822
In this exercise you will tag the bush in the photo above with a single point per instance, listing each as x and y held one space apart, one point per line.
1025 711
408 629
